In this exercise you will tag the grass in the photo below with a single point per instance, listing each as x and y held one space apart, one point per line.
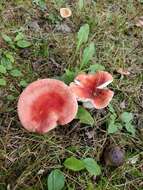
118 44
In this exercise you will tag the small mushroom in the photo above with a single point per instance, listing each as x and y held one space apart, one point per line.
65 12
46 103
91 89
114 156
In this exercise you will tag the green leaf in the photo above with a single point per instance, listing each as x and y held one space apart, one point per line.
112 118
19 36
6 38
90 186
59 3
23 44
141 1
112 128
56 180
119 125
130 128
111 109
82 35
126 117
68 76
44 51
2 82
74 164
2 69
84 116
16 73
92 167
9 56
23 83
81 4
40 3
6 63
10 97
96 67
71 188
88 53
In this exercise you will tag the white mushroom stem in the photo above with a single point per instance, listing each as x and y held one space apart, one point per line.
88 105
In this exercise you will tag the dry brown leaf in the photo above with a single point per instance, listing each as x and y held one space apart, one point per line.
123 104
140 22
123 71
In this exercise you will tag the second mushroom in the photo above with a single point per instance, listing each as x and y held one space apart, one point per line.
91 89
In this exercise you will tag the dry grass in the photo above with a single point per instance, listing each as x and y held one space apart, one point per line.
119 43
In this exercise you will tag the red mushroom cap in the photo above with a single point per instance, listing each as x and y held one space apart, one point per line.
90 88
46 103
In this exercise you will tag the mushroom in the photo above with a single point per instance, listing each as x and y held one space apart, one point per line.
114 156
46 103
65 12
91 89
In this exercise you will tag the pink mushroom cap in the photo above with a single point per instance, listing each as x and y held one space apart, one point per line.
46 103
91 89
65 12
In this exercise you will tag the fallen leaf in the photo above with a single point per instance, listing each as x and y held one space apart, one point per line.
123 104
123 71
40 172
140 22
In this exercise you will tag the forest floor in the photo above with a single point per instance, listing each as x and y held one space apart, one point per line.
26 159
